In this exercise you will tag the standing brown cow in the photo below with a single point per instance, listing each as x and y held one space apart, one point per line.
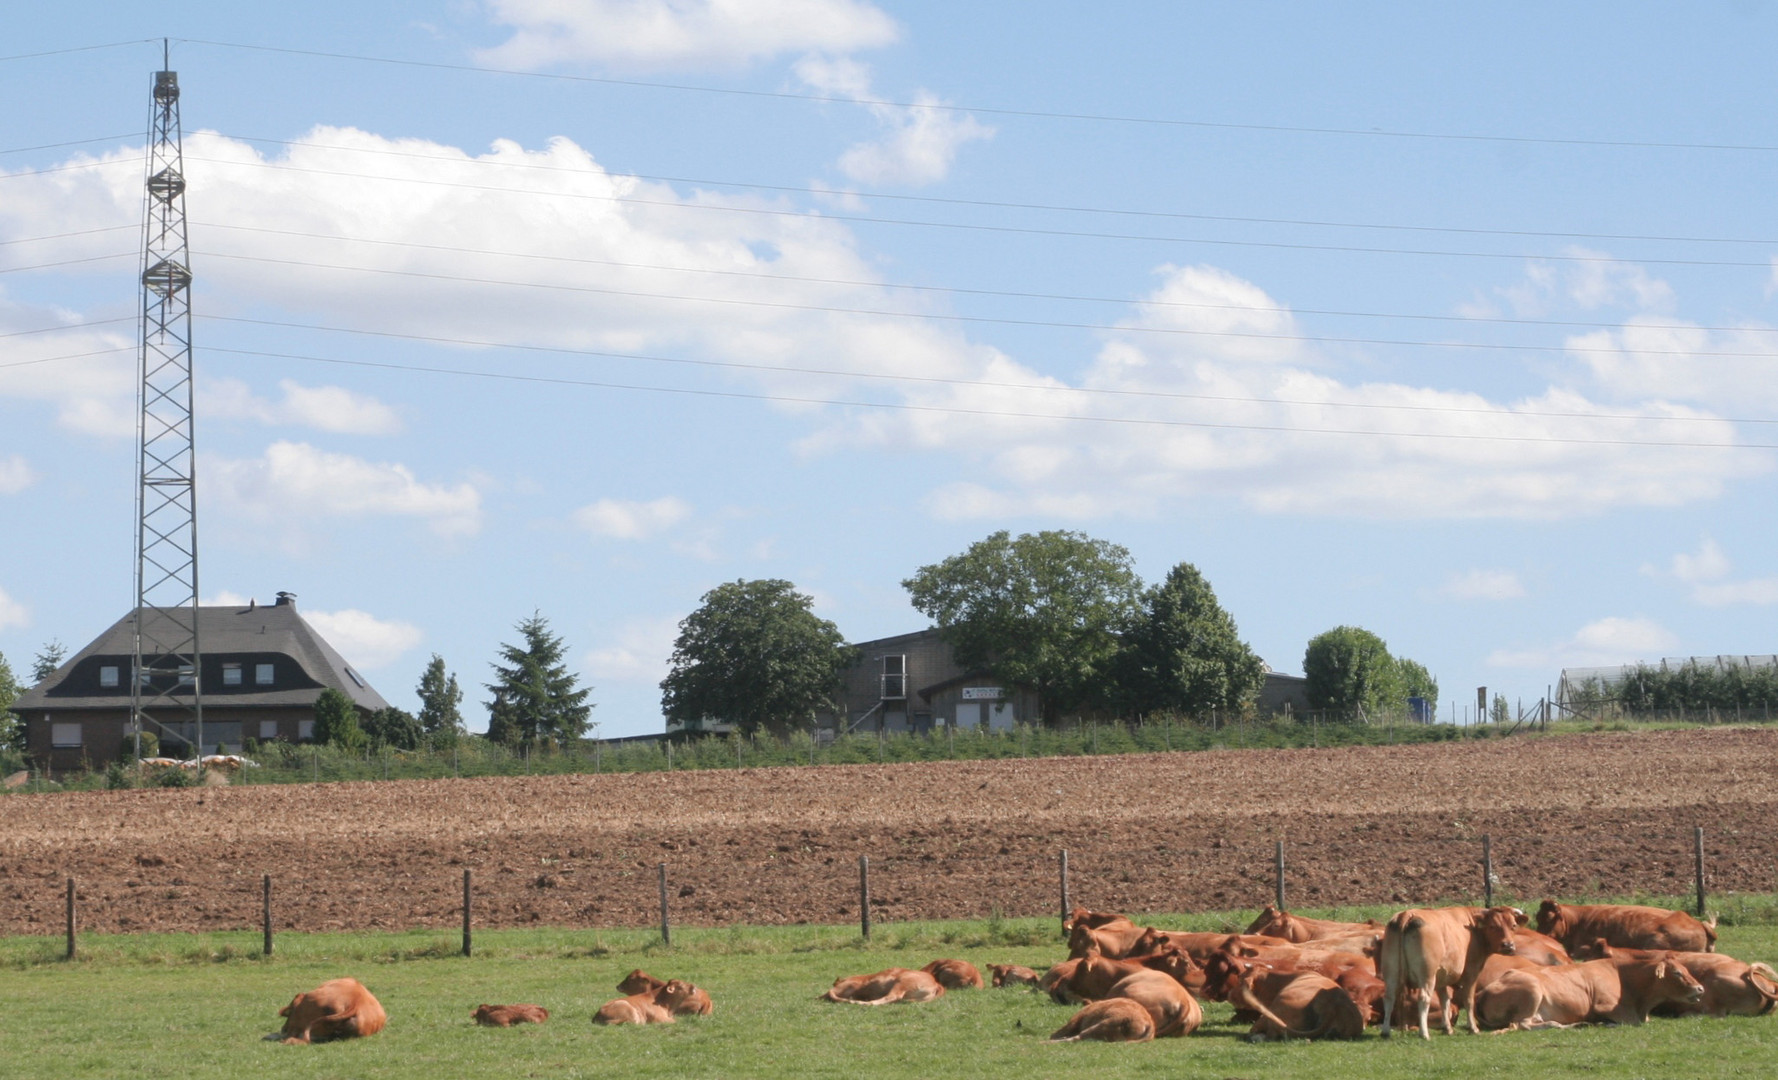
1439 952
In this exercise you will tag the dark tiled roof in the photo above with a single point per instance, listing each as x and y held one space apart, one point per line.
224 633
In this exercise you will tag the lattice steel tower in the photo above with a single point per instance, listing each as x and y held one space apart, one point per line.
165 690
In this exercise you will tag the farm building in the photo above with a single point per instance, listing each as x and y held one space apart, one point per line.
263 668
1580 683
912 682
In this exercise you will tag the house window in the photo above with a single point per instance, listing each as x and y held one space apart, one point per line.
895 677
231 674
108 675
187 675
64 736
305 729
268 729
262 674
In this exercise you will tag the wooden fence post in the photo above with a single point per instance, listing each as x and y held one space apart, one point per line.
1065 885
666 926
466 941
266 913
1487 871
1280 878
1697 844
864 896
70 918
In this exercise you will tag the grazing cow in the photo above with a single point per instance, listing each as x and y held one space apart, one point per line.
691 1001
1013 975
1615 990
1112 1020
955 974
1626 926
886 987
1297 1005
1298 928
1731 987
1439 952
1175 1012
337 1009
508 1015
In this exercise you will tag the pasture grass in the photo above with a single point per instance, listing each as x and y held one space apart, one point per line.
194 1007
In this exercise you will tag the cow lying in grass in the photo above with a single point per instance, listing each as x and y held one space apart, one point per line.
955 974
1626 926
696 1003
1111 1020
337 1009
508 1015
658 1006
1616 990
1013 975
1296 1005
1731 987
886 988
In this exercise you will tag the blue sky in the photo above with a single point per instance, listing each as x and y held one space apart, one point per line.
1460 328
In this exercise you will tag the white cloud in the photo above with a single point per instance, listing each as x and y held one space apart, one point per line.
681 33
638 653
12 613
1483 585
295 482
15 474
363 639
1603 642
918 147
1587 279
1707 573
86 374
325 408
618 519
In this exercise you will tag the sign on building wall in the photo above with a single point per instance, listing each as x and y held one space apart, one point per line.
983 693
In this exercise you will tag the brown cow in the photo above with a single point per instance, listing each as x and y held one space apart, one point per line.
508 1015
955 974
1175 1012
1298 928
675 997
1615 990
1115 939
337 1009
1731 987
1539 948
1626 926
1226 970
886 987
1439 952
1297 1005
692 1001
1013 975
1198 946
1091 919
1112 1020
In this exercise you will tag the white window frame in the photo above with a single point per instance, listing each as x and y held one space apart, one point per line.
263 674
232 675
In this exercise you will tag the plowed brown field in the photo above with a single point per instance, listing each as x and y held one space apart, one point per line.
1570 816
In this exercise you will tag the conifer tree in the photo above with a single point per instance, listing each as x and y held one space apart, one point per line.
536 701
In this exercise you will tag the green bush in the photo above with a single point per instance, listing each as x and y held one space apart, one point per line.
176 778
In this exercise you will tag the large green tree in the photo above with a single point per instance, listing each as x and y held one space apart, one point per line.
336 722
536 699
1044 610
1183 652
12 726
1416 681
440 717
47 660
756 655
393 727
1351 674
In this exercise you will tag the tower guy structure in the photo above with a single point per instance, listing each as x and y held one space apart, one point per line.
165 694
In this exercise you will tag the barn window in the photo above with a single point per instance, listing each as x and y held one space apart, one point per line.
262 674
231 674
895 677
108 675
64 736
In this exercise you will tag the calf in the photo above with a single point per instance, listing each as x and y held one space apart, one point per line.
1112 1020
1439 952
955 974
886 987
508 1015
1626 926
1013 975
337 1009
690 1001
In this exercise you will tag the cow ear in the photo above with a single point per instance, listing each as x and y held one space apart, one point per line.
1661 970
1521 916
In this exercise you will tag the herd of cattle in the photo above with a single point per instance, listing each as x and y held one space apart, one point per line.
1290 977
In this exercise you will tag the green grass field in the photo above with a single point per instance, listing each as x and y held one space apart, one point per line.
195 1007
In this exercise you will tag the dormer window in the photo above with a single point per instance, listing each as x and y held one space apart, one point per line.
262 674
108 676
231 674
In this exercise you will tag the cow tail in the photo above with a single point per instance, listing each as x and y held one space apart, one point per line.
1765 983
1250 1000
1710 936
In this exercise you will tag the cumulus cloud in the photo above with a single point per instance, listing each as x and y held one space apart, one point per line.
681 33
1483 585
363 639
618 519
15 474
325 408
12 613
1604 642
919 141
1707 573
295 482
637 653
85 373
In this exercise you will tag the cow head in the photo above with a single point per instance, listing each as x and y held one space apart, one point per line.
1550 919
1673 982
1268 917
1496 926
674 993
1223 971
300 1016
1597 949
1151 941
1184 970
639 982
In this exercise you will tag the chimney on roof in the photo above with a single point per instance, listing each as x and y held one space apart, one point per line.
252 603
286 599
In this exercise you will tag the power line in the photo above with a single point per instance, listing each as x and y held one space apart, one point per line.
67 235
103 163
67 356
78 49
70 262
69 326
993 320
999 413
74 142
966 291
978 226
1036 114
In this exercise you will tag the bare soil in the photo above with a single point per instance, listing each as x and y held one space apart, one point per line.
1573 816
